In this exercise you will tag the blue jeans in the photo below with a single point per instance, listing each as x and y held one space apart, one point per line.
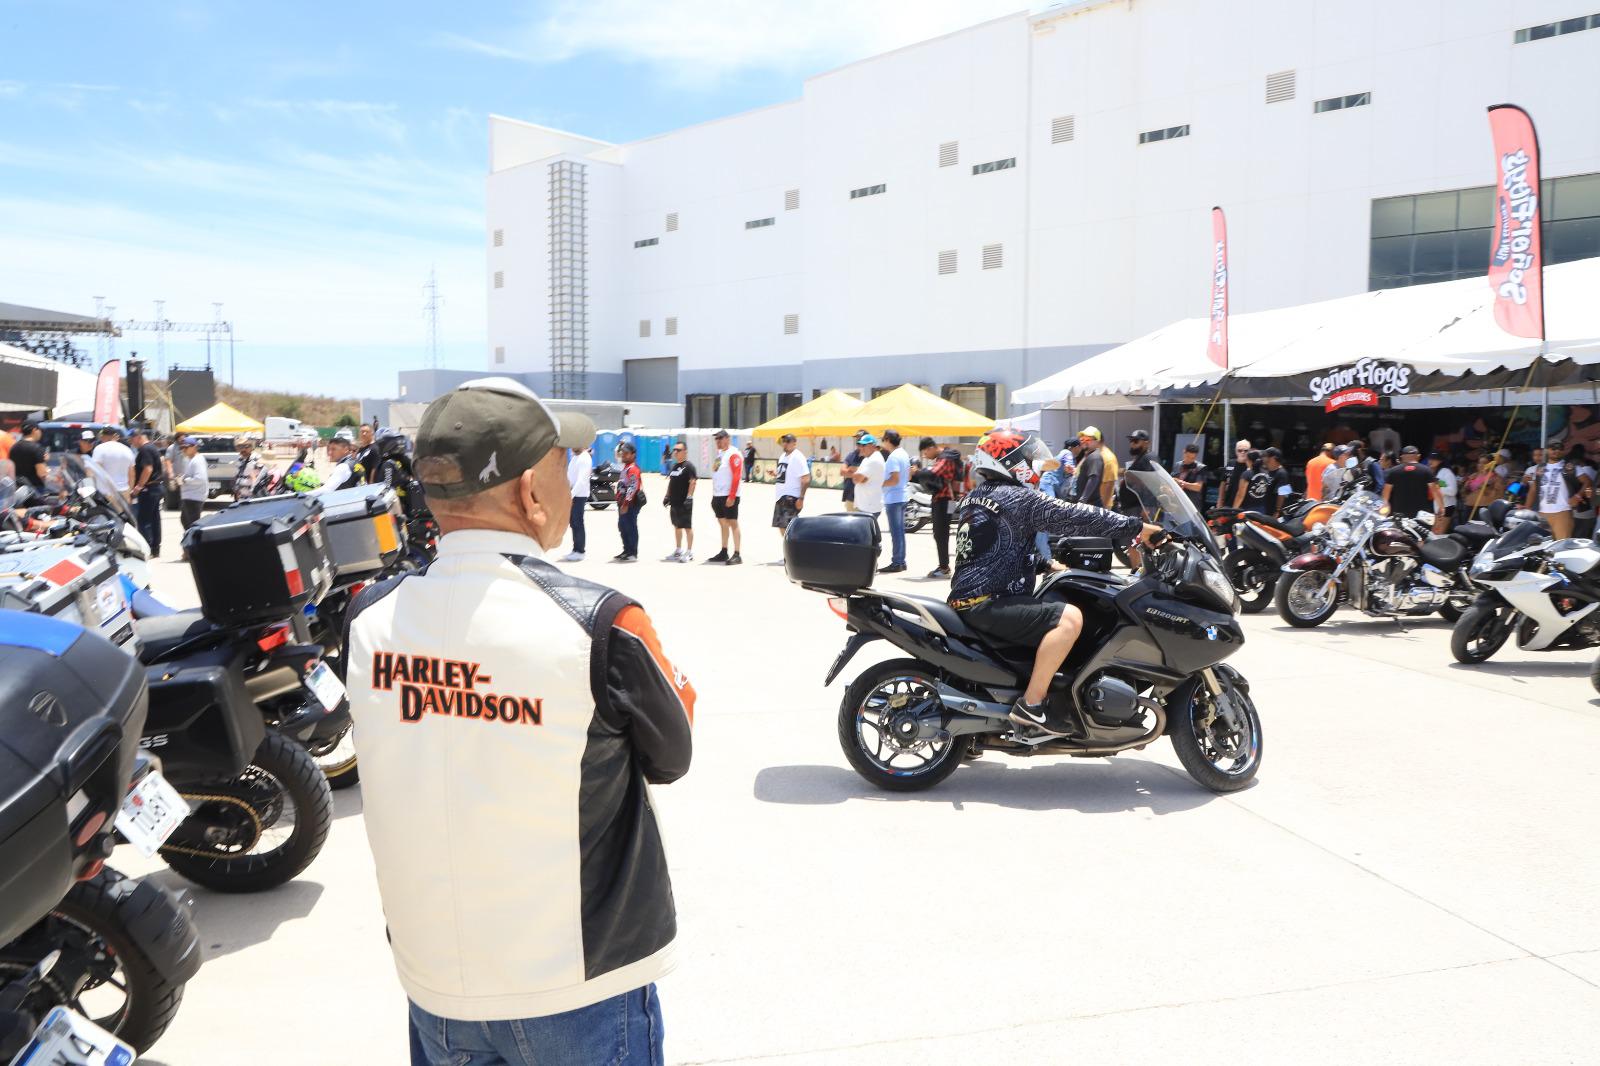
575 521
628 526
625 1029
897 532
147 512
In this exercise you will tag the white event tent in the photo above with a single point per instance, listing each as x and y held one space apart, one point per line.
1446 331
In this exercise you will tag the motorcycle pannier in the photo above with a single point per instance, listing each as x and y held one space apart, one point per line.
71 583
72 707
365 527
259 560
832 552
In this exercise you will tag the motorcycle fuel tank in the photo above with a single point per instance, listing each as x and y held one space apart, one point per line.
1311 561
1393 542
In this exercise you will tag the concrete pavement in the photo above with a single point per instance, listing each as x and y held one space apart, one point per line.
1411 879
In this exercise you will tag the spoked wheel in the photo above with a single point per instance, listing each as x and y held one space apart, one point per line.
257 830
336 758
1217 738
1481 631
1253 577
1306 598
891 728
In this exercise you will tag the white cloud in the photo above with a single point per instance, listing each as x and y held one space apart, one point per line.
707 39
381 119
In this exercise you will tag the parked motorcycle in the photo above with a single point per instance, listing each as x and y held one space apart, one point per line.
919 508
1149 662
1384 565
1264 544
1545 592
603 485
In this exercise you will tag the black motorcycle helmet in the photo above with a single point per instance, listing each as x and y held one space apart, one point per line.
391 444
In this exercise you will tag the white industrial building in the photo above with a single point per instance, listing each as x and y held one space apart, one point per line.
978 211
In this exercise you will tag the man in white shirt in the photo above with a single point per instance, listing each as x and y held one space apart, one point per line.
341 452
115 461
869 478
580 464
1448 487
794 477
727 472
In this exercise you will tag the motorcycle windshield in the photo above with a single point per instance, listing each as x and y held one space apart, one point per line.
85 470
1519 536
1164 504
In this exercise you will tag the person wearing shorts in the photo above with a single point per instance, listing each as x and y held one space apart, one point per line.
726 474
794 477
681 480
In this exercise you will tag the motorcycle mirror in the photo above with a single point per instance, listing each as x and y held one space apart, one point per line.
85 490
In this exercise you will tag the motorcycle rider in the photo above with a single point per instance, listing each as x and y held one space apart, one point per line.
346 471
994 573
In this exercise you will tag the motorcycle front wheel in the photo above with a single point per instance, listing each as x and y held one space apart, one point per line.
1217 738
258 830
1306 598
916 517
1481 631
1594 675
1253 577
889 728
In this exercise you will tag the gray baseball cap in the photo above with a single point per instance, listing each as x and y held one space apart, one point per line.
487 432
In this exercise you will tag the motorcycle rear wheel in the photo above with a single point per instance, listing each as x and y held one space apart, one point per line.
1481 631
1298 601
1253 577
877 726
1594 674
1220 755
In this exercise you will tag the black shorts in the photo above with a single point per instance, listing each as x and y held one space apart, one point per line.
723 509
682 514
1018 621
784 512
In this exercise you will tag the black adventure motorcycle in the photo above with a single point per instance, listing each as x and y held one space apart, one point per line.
1149 661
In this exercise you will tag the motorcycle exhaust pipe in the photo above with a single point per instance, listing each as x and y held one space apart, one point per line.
969 714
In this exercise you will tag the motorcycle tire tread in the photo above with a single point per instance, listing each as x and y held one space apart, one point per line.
853 695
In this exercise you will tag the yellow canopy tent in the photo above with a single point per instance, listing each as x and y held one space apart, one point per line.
221 419
832 409
914 411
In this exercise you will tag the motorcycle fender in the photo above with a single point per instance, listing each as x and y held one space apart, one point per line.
851 646
1487 598
312 721
1311 561
1255 538
158 922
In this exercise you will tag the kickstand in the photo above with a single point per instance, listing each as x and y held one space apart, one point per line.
1400 623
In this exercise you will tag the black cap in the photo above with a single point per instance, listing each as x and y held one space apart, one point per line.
1191 447
719 434
1139 434
1410 449
1271 453
487 432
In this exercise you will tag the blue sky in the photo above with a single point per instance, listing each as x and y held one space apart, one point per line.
307 164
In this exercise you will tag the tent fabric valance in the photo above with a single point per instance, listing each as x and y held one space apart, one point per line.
814 418
221 419
913 410
1446 333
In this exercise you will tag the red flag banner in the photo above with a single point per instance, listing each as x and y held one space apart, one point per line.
1217 339
1516 258
108 393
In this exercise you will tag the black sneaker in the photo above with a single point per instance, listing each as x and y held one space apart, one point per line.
620 557
1033 720
735 559
720 557
893 569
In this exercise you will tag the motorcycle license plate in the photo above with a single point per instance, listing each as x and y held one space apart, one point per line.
326 687
66 1038
150 812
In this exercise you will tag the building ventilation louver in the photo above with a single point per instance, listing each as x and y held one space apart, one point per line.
672 326
644 327
499 279
500 354
993 256
1063 128
499 237
672 222
791 200
1280 87
949 153
761 223
791 324
947 261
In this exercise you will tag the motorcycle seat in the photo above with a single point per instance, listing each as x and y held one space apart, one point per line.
158 636
1444 552
947 617
1476 534
145 605
1294 527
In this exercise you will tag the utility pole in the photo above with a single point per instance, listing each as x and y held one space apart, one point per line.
430 307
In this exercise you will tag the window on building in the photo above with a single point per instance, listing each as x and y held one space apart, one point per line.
1557 29
671 328
672 222
500 353
998 164
982 397
499 237
1445 236
1063 128
702 409
644 327
947 261
760 223
791 324
647 242
1280 87
788 401
1150 136
868 190
499 279
994 256
791 200
1339 103
949 153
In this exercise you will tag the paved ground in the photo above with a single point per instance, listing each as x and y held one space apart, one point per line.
1411 880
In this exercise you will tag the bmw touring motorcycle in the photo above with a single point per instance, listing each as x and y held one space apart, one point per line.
1148 664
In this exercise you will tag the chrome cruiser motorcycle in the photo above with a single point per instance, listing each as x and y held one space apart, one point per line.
1384 565
1148 664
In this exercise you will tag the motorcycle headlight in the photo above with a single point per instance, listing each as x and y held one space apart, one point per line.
1482 564
1339 534
1219 587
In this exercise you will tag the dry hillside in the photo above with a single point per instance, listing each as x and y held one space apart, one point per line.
314 410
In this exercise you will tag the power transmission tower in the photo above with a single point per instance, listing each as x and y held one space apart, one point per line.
430 307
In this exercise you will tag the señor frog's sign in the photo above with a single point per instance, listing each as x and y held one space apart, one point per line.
1360 385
